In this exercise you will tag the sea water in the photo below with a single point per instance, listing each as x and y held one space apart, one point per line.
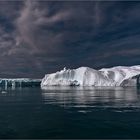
70 112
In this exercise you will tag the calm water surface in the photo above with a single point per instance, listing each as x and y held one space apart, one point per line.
70 112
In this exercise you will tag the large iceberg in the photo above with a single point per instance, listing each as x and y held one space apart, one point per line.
85 76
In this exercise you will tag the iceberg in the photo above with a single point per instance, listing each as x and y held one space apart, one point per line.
85 76
19 82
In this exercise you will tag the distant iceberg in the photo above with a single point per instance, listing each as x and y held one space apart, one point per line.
19 82
85 76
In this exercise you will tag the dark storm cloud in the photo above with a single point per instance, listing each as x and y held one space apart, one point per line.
38 37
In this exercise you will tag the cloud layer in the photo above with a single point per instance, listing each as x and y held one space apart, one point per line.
38 37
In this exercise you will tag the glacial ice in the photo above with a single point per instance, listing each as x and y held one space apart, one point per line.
19 82
85 76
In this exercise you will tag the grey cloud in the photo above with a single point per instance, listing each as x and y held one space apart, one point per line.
30 22
38 37
25 24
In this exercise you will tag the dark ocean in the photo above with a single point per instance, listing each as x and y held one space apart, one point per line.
70 112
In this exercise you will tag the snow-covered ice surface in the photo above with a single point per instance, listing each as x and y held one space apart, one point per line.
85 76
20 79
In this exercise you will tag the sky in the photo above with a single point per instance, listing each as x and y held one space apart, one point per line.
40 37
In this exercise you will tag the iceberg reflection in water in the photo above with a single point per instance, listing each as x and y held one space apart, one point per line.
93 97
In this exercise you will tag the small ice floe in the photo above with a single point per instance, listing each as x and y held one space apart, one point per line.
3 92
82 111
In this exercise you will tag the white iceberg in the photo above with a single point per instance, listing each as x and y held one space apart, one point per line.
19 82
85 76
